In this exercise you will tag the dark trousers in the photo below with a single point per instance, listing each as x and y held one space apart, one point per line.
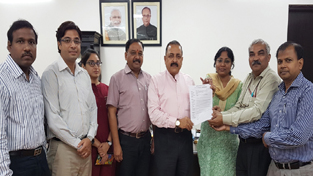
253 159
30 165
173 152
136 155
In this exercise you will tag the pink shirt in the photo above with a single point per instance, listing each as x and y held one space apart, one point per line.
129 95
168 98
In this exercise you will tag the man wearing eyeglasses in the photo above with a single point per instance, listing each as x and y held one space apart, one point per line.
258 89
146 31
128 113
70 107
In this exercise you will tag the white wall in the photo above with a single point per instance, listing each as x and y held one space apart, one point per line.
201 26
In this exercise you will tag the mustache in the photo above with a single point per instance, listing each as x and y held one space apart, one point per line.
256 62
27 54
137 60
174 64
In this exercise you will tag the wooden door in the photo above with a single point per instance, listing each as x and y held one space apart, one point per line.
300 30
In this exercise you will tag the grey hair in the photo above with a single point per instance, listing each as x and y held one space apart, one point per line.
114 10
257 41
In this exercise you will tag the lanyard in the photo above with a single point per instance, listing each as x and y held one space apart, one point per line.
253 94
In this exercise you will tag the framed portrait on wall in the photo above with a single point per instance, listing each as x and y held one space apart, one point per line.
147 21
114 20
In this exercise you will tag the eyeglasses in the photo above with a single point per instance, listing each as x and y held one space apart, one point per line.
68 41
92 64
134 53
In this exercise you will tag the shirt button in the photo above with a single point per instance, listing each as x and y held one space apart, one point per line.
139 88
141 100
277 125
143 120
280 111
143 109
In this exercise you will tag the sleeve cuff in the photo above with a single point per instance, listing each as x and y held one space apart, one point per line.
233 130
172 122
267 138
77 141
227 119
111 104
92 131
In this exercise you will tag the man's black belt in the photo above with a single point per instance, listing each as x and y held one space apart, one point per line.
294 165
136 135
175 130
29 152
251 140
57 139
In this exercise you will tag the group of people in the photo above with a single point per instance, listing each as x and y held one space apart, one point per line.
69 123
273 119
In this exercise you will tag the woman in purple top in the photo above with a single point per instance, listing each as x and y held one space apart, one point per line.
102 142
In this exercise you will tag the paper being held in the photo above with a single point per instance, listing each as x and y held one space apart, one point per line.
201 101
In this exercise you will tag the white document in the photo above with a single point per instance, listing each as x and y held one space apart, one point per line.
201 101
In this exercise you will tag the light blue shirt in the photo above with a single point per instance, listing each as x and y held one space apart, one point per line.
21 112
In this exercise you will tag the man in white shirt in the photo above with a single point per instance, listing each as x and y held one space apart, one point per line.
70 107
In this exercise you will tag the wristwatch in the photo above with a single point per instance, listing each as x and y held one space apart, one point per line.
177 123
109 142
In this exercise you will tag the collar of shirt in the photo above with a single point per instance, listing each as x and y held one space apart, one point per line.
128 70
16 70
62 66
177 76
296 83
262 74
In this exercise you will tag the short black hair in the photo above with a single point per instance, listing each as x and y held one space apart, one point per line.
67 25
174 42
298 49
87 54
146 8
230 54
131 41
19 24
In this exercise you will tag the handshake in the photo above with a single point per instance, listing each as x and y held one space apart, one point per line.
217 120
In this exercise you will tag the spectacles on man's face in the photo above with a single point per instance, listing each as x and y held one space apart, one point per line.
69 40
92 64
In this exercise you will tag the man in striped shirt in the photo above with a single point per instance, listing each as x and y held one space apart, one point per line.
290 114
22 136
